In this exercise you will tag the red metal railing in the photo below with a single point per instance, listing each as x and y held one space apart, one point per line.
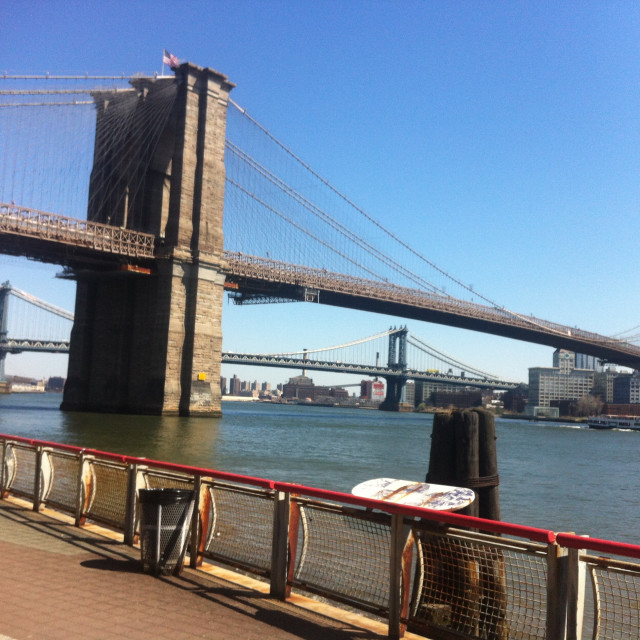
374 555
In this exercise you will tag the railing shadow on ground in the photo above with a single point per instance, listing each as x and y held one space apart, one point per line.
436 573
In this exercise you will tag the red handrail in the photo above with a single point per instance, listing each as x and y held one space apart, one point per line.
531 533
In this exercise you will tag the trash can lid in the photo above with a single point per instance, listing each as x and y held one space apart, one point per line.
165 496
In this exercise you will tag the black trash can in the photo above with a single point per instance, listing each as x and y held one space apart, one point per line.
165 518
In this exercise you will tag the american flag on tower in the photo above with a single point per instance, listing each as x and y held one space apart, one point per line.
170 59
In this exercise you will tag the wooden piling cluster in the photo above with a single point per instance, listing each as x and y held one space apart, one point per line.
468 584
463 454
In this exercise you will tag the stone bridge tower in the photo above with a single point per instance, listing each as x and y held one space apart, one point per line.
152 343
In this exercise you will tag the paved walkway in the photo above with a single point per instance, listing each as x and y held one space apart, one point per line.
58 581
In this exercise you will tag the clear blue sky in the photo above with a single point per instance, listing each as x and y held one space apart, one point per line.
502 139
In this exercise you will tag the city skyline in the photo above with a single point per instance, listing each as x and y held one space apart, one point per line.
500 140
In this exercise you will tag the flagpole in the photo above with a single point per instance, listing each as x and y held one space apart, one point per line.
163 62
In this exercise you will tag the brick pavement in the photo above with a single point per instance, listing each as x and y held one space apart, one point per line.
61 582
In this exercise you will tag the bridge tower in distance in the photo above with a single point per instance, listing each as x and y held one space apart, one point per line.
397 362
152 343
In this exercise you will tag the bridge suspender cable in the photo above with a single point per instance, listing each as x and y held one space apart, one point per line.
27 297
339 346
359 210
328 219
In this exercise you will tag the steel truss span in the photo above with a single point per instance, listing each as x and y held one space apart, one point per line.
254 275
64 240
359 369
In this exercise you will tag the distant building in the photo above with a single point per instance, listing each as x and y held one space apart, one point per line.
461 399
548 386
302 388
583 361
409 393
603 384
223 385
515 400
424 390
626 388
235 386
372 390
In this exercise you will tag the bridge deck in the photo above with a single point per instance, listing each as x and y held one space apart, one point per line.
62 582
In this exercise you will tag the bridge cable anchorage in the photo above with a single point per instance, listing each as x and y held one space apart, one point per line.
360 210
330 220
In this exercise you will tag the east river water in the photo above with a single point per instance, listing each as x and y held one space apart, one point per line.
553 476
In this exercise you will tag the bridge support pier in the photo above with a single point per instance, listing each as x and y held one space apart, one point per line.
393 399
152 344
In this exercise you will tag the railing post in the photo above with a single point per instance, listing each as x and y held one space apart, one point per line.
575 594
37 480
2 471
83 487
130 505
399 579
279 547
194 541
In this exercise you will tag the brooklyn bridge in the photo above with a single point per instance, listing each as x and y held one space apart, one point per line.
158 194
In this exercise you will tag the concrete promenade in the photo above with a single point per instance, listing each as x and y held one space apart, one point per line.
62 582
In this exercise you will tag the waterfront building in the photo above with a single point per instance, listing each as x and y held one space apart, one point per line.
409 393
548 386
303 388
626 388
372 390
424 390
515 400
461 398
603 384
235 386
584 361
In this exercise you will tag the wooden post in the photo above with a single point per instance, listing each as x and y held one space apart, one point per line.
442 458
463 453
465 426
488 489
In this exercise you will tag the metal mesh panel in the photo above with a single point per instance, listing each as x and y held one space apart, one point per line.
109 495
24 461
345 555
65 469
165 481
480 589
617 592
243 527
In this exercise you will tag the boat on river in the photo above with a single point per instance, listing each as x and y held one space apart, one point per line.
614 422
